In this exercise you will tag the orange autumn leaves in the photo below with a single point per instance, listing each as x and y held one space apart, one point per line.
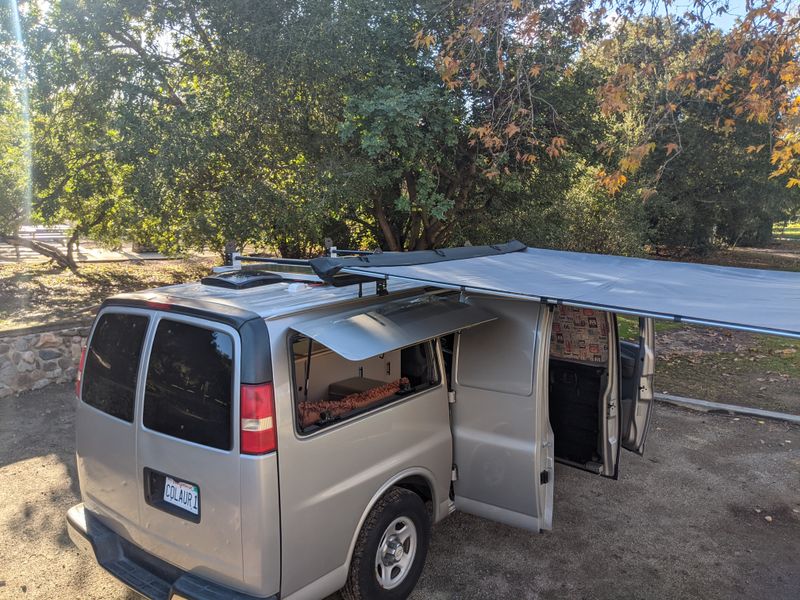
748 74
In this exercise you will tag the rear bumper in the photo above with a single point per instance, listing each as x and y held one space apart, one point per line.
142 572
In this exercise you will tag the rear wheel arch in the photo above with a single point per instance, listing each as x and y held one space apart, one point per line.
422 488
418 480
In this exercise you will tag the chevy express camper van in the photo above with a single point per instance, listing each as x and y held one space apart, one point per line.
288 435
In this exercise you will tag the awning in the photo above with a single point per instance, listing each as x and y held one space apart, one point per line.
361 334
749 299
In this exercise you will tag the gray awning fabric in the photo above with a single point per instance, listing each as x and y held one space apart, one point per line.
361 334
749 299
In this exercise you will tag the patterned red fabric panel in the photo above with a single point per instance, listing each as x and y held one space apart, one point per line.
580 334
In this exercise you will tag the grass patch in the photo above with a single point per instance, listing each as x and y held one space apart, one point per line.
628 327
38 293
790 231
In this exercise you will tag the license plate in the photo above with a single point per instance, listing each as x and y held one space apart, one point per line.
183 495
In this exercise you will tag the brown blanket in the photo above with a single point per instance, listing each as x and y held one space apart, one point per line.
312 412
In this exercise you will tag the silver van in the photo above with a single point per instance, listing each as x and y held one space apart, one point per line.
281 435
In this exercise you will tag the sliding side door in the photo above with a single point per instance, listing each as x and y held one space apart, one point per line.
503 443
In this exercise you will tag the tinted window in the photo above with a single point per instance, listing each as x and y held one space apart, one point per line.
112 362
189 386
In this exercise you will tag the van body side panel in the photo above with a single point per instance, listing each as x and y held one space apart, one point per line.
329 478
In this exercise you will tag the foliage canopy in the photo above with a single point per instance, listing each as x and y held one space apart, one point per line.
600 126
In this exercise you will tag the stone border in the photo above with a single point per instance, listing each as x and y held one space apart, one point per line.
30 361
729 409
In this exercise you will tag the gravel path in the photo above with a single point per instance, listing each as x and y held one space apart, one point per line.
686 521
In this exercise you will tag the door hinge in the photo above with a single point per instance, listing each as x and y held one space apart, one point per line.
544 477
451 397
454 473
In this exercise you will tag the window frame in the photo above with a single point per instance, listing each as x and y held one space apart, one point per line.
141 367
203 323
433 345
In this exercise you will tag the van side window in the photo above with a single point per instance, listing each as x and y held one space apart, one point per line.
329 388
189 386
112 363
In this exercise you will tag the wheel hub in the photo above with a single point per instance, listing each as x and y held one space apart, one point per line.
394 551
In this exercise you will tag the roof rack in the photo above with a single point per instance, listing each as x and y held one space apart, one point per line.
234 260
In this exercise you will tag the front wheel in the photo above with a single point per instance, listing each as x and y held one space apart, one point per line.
391 548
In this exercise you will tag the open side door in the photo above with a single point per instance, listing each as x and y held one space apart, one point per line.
502 440
583 394
637 369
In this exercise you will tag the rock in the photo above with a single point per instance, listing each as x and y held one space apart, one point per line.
24 365
21 344
5 392
51 366
758 510
4 348
48 340
65 363
768 519
40 384
49 354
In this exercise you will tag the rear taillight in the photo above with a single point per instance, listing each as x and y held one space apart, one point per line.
79 374
258 419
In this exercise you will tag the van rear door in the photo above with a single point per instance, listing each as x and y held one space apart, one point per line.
105 431
188 448
637 369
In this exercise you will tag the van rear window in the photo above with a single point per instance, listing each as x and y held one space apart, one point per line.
112 363
189 386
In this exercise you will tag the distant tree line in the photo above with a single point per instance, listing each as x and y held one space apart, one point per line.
604 126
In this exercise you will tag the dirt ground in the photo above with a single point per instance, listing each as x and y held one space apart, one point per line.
42 294
689 520
732 367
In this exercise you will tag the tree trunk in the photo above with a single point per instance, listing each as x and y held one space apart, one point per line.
71 242
63 260
385 226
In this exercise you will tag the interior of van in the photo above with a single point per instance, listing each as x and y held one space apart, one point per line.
580 383
329 388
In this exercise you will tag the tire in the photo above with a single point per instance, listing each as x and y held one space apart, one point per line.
390 575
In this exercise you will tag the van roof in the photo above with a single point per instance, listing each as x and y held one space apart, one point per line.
266 301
